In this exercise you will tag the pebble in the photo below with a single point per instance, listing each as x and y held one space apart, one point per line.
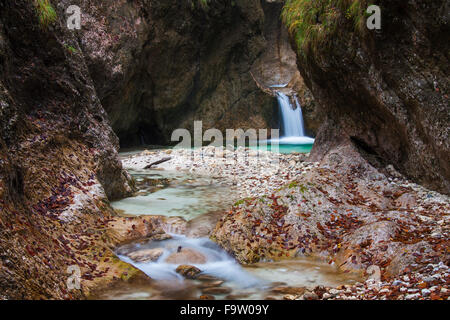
412 296
426 292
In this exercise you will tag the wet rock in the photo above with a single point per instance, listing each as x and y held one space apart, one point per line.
310 296
146 255
206 277
237 296
211 284
217 290
187 271
186 255
161 237
320 290
288 290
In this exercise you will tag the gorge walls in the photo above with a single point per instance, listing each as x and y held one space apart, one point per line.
386 90
159 65
58 156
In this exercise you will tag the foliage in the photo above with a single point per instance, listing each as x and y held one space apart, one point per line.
46 13
202 3
313 23
71 49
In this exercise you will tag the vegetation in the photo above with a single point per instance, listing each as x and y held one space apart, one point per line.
313 23
46 13
71 49
201 3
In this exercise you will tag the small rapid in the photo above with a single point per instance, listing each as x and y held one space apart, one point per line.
217 262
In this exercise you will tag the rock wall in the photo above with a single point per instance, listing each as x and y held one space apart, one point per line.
58 158
386 91
277 65
159 65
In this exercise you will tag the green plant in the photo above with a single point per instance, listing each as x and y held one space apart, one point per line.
71 49
46 13
313 23
202 3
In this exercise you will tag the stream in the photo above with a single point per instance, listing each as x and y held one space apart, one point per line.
199 201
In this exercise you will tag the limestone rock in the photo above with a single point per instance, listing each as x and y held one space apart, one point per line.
189 272
186 255
146 255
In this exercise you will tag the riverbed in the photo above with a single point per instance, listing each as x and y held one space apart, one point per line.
194 198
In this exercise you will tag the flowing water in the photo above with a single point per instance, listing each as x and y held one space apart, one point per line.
200 201
294 138
168 193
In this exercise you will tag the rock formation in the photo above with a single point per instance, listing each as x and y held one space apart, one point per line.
384 90
159 65
58 157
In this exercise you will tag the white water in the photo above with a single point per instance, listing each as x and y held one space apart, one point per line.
292 119
218 263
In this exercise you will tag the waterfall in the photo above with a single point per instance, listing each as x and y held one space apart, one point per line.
292 121
292 118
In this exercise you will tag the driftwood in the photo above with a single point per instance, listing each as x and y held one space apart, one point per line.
158 162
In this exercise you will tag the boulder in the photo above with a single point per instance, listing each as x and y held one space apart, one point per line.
146 255
186 255
189 272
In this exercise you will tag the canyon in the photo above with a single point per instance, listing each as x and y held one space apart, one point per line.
376 102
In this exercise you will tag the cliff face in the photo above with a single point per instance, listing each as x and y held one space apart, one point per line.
58 155
386 91
277 65
159 65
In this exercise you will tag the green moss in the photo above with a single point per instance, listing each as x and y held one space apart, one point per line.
242 201
303 188
202 3
314 23
71 49
46 13
293 184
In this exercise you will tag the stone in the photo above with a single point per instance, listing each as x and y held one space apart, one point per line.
187 271
310 296
186 256
206 277
211 284
406 201
288 290
146 255
426 292
217 290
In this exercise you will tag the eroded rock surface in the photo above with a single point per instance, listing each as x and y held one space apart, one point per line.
158 65
343 210
58 163
387 90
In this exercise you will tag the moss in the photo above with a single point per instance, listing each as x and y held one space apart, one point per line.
314 23
202 3
46 13
71 49
242 201
293 184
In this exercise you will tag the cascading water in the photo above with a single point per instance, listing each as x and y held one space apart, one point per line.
292 121
292 117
